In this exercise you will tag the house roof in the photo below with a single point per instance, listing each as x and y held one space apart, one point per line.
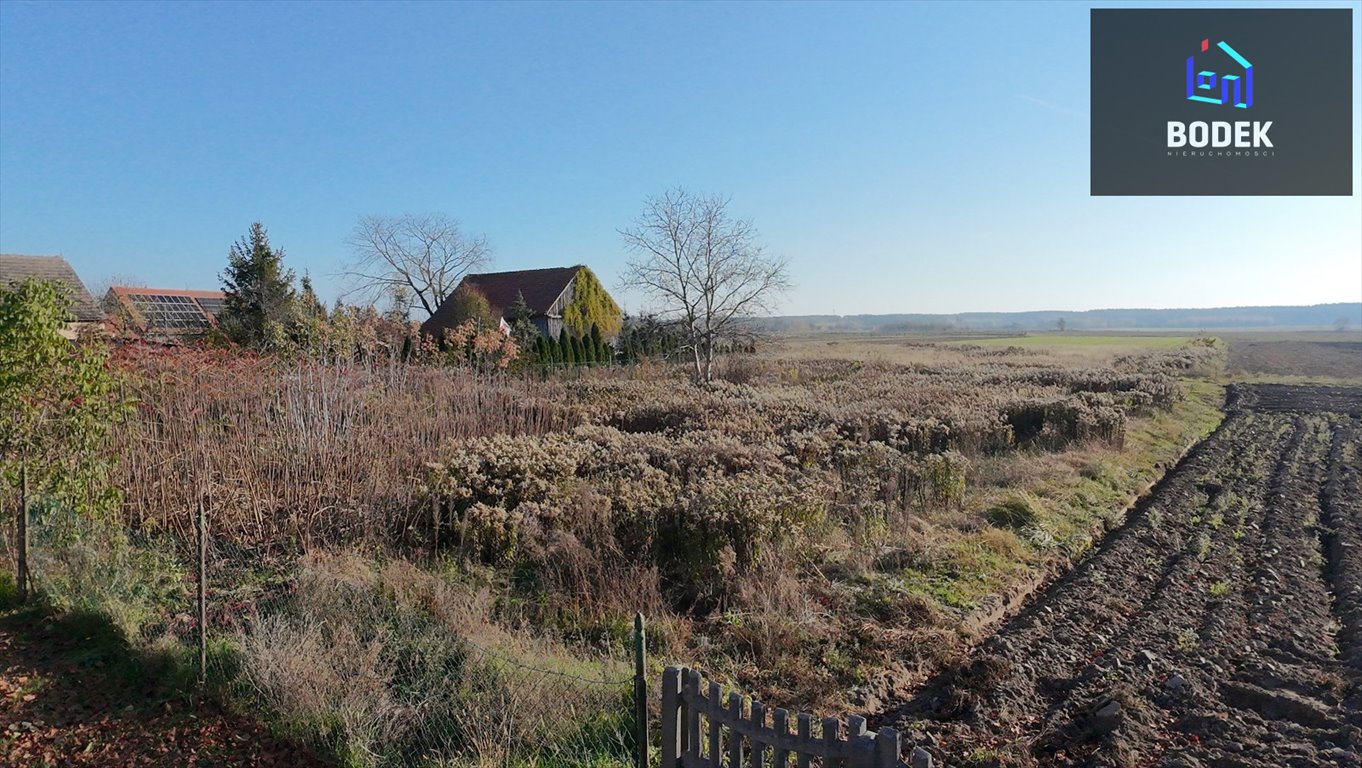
127 290
169 310
15 268
540 287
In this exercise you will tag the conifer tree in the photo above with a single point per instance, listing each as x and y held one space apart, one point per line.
565 344
259 308
523 330
596 344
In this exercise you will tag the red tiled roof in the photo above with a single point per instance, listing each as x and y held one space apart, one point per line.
124 290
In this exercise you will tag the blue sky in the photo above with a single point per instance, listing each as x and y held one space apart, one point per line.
915 157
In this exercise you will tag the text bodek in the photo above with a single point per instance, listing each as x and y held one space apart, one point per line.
1219 134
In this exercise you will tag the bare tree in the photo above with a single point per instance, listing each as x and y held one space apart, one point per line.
704 269
415 260
99 289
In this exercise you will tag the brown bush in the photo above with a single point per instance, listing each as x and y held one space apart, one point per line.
303 453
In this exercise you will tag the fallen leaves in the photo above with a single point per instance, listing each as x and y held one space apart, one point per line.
56 710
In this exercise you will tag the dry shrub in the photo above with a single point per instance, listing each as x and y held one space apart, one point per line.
1019 511
301 453
740 368
777 631
771 613
694 507
323 679
390 664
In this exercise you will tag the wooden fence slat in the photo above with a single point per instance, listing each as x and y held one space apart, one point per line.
863 751
734 736
832 728
804 732
757 758
887 748
714 718
692 713
672 706
781 726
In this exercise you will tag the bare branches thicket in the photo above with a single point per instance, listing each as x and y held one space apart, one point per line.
413 260
704 268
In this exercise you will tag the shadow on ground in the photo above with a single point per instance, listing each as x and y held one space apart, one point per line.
72 693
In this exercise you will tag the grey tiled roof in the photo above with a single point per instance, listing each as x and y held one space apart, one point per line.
15 268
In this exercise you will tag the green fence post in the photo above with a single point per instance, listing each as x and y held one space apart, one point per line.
640 694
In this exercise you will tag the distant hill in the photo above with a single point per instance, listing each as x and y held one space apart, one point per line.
1317 316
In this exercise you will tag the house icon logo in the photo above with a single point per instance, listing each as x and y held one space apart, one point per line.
1203 85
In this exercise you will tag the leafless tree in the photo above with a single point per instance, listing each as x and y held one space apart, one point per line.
99 291
415 260
100 288
704 269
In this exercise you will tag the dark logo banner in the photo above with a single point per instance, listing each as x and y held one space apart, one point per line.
1221 102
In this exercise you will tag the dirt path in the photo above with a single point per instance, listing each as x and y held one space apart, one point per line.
1220 626
68 697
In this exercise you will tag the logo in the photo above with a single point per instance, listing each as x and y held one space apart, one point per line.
1202 86
1221 101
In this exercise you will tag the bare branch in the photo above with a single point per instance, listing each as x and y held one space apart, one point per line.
703 268
421 258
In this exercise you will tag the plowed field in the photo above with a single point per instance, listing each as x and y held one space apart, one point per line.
1221 625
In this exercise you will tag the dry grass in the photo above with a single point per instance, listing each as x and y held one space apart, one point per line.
802 528
392 664
1072 349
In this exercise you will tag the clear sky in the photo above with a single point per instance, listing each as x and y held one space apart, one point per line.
914 157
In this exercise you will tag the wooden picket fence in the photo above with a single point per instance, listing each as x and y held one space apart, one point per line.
701 730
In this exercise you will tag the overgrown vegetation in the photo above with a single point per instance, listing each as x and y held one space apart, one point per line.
822 524
591 307
59 402
830 479
391 664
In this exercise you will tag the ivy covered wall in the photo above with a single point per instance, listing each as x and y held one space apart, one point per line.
591 305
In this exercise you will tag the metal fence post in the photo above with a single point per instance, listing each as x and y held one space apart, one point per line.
21 574
640 693
202 530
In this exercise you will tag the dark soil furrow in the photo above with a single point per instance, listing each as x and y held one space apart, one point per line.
1276 693
1207 630
1341 504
